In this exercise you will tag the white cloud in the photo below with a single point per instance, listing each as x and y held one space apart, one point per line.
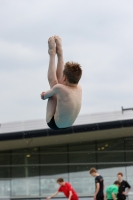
20 97
19 51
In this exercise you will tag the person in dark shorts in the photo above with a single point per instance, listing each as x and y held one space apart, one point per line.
112 191
66 188
99 184
65 93
123 185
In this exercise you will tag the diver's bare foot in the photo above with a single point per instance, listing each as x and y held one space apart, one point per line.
58 42
51 46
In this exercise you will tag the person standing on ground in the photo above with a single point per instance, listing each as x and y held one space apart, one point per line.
112 191
99 184
66 188
123 185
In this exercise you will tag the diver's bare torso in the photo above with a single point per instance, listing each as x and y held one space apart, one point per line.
68 105
65 95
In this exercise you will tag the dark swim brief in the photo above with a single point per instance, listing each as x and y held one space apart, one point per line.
53 125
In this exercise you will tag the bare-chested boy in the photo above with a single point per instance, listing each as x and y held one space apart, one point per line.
65 95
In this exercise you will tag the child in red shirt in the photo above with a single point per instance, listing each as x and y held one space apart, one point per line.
67 189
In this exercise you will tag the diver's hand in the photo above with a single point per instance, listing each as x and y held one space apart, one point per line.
42 95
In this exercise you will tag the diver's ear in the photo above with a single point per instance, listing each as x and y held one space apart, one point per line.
64 78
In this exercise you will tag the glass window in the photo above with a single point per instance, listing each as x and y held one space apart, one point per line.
67 162
129 143
49 175
54 170
32 158
33 171
54 158
33 186
18 159
4 172
80 170
18 172
19 187
82 157
111 170
4 188
26 150
82 146
54 148
5 152
25 187
129 156
130 181
81 180
111 145
25 171
49 185
27 158
4 159
109 181
129 170
110 157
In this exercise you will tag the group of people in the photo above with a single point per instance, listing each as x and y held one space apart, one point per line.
117 191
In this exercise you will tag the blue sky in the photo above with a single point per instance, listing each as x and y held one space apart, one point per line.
97 34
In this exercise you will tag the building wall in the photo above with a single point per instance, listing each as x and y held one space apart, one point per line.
33 172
